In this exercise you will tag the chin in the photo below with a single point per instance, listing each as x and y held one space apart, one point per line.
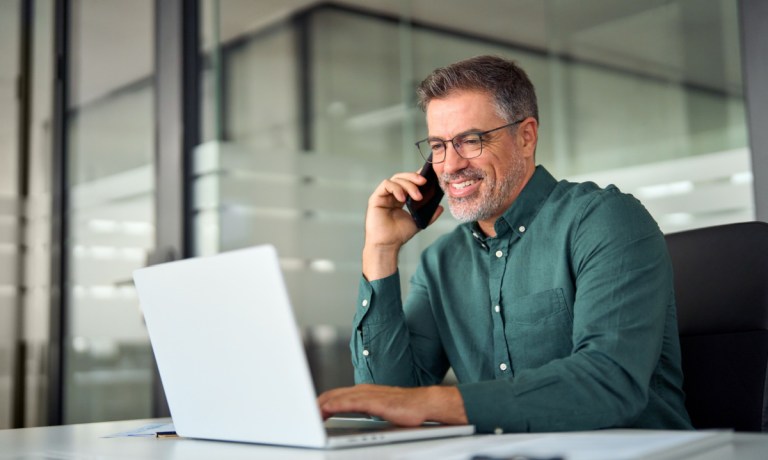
465 212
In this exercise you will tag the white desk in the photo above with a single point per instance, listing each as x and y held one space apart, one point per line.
87 442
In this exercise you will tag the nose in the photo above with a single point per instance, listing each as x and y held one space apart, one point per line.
453 161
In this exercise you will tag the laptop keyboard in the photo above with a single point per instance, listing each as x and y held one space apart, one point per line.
345 431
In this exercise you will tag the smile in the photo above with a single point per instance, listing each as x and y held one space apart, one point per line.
463 188
461 185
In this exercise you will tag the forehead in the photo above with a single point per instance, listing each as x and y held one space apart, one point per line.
461 111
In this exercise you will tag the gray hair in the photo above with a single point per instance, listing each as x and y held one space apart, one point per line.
512 91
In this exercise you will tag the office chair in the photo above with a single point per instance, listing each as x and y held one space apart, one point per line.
721 288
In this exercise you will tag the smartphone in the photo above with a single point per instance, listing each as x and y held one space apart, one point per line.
423 210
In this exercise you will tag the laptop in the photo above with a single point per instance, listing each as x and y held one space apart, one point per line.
232 361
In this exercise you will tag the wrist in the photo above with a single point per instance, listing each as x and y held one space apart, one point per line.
379 261
445 405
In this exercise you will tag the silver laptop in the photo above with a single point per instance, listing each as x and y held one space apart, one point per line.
232 361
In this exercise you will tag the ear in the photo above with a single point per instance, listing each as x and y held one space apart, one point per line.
528 136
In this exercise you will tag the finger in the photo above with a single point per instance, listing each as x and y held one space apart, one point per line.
342 391
395 189
341 405
409 186
347 401
394 192
410 176
400 185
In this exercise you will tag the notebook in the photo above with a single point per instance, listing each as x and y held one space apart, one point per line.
231 358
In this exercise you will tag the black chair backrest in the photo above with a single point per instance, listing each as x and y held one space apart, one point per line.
721 288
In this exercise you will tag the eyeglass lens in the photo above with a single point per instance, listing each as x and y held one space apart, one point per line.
467 146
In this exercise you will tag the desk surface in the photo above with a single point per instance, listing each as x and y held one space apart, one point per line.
88 441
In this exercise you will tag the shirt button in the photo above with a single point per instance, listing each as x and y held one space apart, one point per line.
499 253
497 308
365 302
522 229
366 352
503 366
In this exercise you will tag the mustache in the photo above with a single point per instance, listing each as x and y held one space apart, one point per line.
464 174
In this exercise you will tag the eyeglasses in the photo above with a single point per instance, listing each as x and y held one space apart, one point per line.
467 145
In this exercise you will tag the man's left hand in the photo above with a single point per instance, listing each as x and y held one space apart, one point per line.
401 406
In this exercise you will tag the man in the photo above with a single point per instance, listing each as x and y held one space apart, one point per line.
553 301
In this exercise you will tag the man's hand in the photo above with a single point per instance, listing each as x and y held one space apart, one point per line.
387 225
401 406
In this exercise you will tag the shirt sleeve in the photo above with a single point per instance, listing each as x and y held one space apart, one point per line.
390 347
624 291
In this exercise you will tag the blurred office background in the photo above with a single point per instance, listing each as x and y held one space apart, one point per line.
134 132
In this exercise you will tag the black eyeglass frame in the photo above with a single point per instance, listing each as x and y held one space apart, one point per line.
428 156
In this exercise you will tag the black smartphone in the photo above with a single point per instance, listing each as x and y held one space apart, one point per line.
423 210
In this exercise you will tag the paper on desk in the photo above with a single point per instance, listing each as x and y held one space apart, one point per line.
594 445
149 430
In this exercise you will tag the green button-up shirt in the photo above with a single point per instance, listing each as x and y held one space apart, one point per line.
563 321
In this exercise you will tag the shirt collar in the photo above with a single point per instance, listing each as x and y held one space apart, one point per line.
519 216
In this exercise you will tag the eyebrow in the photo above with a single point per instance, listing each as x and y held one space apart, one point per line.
462 133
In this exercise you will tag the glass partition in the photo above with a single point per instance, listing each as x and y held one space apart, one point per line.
108 366
25 224
307 106
10 206
314 106
37 265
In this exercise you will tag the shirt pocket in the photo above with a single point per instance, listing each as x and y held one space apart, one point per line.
538 328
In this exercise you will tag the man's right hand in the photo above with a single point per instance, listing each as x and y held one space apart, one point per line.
388 226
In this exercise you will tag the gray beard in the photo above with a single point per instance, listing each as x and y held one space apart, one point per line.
493 195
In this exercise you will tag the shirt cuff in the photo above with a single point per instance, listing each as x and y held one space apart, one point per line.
378 301
483 410
509 406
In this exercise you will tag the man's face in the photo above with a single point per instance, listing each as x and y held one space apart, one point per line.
482 188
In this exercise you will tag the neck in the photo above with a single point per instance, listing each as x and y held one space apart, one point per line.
487 227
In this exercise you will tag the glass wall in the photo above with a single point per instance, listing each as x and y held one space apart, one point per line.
37 266
110 128
307 106
25 224
308 109
10 205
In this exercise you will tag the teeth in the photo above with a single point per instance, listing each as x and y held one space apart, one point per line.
461 185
